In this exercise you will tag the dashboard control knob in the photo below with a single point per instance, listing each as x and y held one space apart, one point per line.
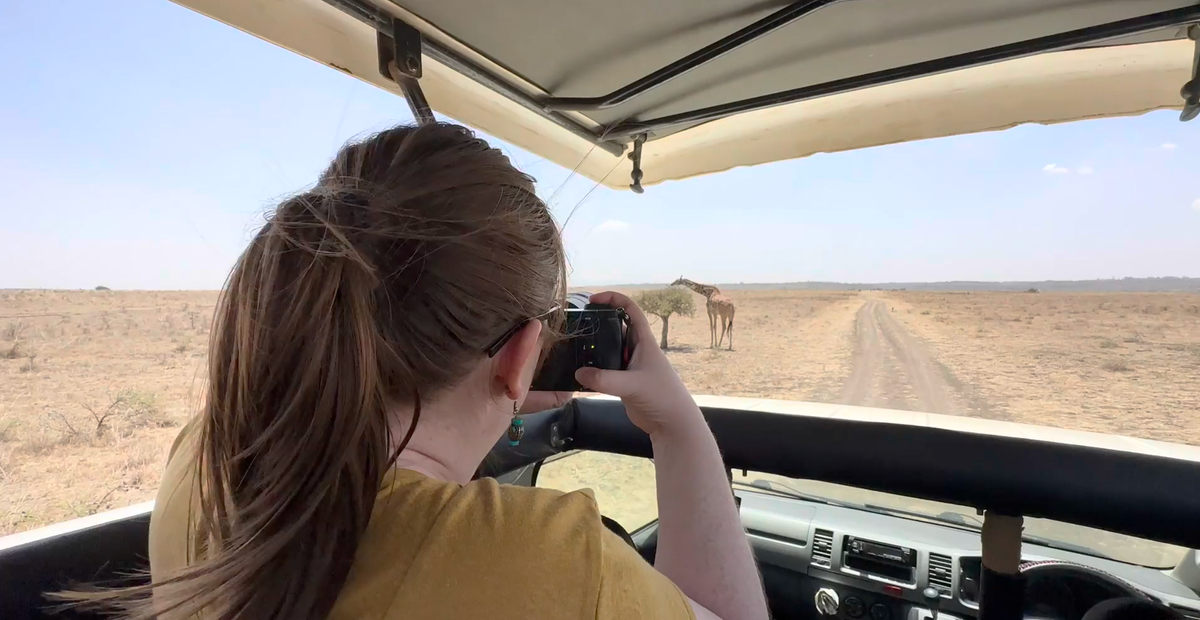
854 607
827 602
879 611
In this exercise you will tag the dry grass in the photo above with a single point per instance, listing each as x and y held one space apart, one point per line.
94 384
792 345
1125 363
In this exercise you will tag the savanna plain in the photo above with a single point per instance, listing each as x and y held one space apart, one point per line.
95 385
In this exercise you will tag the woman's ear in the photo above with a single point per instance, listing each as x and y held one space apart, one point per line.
517 361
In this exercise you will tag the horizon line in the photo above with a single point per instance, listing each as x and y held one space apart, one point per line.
763 284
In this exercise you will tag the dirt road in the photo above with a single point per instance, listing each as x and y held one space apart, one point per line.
893 368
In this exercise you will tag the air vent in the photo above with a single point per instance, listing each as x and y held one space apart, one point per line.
822 549
1186 612
941 573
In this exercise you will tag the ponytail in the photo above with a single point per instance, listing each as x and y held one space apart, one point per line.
380 286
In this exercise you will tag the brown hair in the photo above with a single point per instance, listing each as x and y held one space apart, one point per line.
380 286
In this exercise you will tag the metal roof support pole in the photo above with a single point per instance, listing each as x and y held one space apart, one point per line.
400 60
636 157
381 21
1191 89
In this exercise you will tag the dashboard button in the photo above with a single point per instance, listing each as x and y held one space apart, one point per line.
879 611
854 607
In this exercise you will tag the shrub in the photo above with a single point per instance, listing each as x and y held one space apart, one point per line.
143 410
14 331
1108 344
12 352
127 410
1117 366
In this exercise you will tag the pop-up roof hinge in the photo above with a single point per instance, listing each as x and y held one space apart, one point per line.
1191 89
400 61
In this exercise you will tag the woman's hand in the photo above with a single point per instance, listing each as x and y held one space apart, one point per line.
654 396
544 401
702 546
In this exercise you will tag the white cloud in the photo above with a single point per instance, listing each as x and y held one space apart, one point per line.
613 226
1055 169
1168 145
1084 170
1196 205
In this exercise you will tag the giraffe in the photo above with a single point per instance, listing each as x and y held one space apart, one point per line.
720 308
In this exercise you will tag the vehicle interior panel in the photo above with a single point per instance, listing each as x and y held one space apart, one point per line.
802 543
776 521
784 532
1089 486
105 547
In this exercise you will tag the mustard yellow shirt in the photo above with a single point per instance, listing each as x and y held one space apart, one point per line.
437 549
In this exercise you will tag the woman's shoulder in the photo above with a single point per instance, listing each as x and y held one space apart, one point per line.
581 502
533 552
489 509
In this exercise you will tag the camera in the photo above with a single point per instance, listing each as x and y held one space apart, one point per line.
595 337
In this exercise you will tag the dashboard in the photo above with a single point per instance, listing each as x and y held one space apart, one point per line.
827 561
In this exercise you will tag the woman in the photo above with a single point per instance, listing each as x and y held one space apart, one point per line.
350 400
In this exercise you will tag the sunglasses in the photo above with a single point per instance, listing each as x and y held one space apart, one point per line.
499 343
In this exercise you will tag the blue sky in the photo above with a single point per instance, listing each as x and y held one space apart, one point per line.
140 144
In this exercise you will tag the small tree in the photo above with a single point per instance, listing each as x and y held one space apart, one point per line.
664 302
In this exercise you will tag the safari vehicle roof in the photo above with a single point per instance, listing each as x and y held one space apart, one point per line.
715 84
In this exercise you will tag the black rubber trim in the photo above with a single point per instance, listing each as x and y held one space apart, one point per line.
616 528
1001 596
538 442
1145 496
108 553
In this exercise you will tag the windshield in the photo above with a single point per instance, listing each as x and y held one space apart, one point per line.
1044 275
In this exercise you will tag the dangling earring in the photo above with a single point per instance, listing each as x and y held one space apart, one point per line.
516 430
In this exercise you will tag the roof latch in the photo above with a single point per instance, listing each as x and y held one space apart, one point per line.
636 158
400 61
1191 90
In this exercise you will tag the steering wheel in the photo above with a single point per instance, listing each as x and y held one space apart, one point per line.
1124 599
620 531
1043 569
